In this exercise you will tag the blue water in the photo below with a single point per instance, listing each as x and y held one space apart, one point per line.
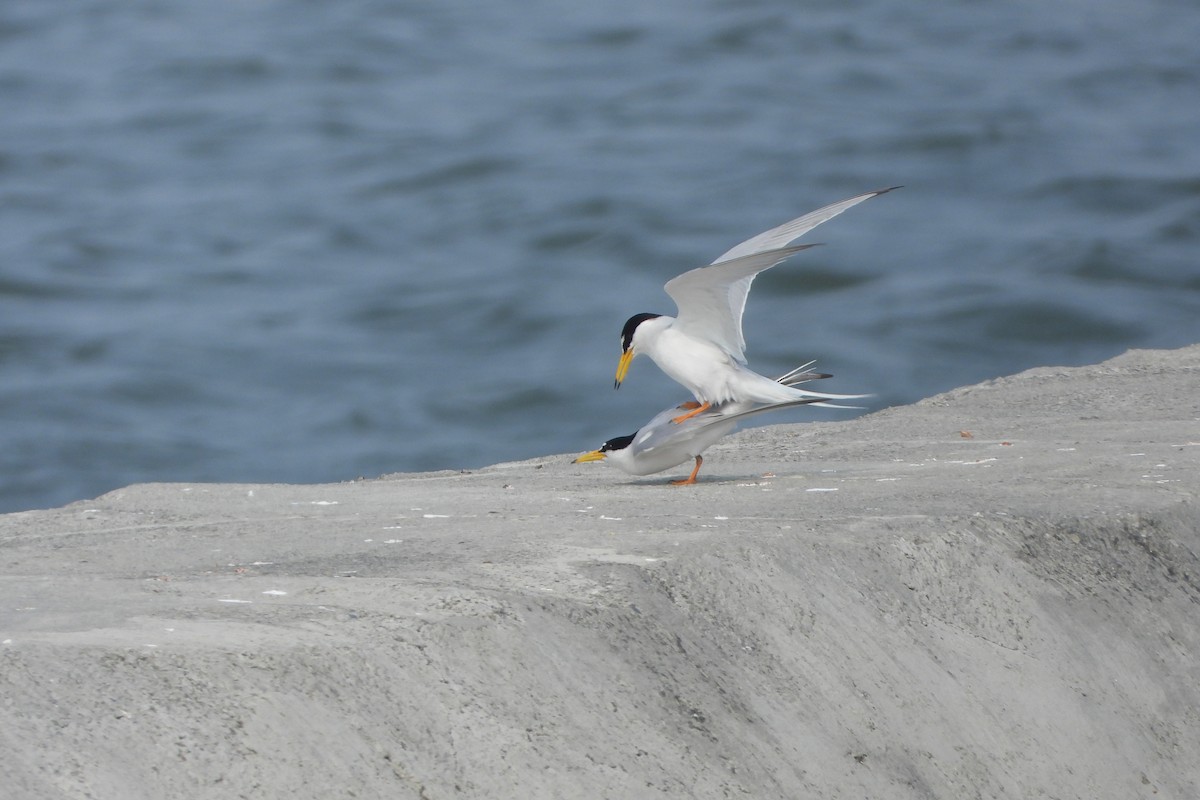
303 241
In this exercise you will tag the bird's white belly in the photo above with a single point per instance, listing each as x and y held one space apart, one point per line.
705 369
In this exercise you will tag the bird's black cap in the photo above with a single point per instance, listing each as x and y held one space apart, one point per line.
630 326
619 443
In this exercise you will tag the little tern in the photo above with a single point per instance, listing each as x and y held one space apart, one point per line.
662 443
702 347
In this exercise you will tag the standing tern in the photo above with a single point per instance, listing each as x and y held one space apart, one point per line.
662 443
703 348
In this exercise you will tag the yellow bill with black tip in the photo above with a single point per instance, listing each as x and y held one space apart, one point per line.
623 367
595 455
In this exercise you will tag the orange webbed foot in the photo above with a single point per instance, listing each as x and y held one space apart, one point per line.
696 408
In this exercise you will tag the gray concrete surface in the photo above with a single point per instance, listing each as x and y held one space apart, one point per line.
993 593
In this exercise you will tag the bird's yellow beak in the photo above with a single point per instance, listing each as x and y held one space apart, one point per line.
623 367
595 455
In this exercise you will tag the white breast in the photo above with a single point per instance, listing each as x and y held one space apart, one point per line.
701 366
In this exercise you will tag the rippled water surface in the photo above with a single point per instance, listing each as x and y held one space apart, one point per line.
291 240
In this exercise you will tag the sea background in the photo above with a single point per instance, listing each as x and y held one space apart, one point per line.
304 241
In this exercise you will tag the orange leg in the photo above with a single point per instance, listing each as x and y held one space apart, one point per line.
699 409
690 479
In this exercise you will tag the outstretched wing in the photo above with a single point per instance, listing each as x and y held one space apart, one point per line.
788 232
711 299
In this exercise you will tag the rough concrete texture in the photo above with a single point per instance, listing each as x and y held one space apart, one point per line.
992 593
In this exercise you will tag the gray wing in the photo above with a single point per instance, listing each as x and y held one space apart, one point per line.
788 232
738 416
711 299
662 431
